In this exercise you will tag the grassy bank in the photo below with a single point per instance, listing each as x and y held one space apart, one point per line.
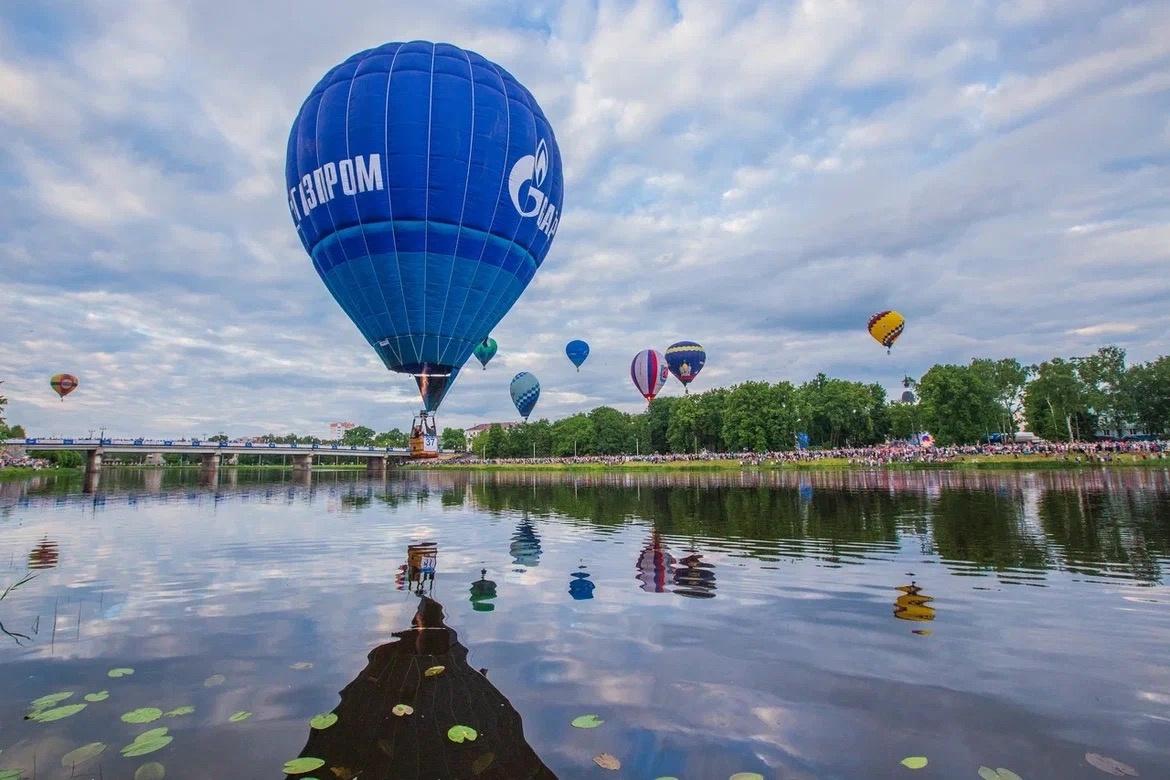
991 462
23 472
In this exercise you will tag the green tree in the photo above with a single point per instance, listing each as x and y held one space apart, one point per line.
612 433
219 437
541 436
682 432
573 435
709 424
1008 379
492 442
394 438
958 403
654 438
835 411
1147 389
452 439
760 417
361 436
1056 402
1103 375
903 420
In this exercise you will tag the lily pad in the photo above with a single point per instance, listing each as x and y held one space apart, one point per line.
214 680
323 721
143 745
239 717
1110 766
434 671
606 761
987 773
480 765
152 771
177 711
402 709
158 731
298 766
914 762
458 734
746 776
57 713
99 696
52 700
120 672
75 758
587 722
301 666
142 715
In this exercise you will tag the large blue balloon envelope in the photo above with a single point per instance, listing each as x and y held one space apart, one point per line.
577 350
525 392
425 183
686 360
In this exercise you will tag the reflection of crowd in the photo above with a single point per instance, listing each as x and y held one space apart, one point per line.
875 455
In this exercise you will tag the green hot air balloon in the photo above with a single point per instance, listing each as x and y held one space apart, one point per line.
485 351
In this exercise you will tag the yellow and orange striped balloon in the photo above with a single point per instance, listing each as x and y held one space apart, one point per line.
63 384
886 327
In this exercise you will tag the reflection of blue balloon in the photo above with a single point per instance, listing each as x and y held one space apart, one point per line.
425 182
525 392
577 350
580 586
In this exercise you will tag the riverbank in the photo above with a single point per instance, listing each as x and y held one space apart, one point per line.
24 472
990 462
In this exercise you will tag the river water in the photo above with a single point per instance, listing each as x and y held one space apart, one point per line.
794 625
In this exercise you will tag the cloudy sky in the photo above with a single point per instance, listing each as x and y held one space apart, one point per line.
759 177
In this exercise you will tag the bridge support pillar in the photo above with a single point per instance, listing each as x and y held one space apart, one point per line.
154 459
302 462
210 461
93 462
376 466
233 459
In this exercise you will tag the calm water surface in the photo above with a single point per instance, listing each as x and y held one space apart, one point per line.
798 626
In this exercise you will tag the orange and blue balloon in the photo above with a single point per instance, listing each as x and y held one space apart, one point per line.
63 384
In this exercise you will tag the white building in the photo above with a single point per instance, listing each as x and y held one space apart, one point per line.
470 434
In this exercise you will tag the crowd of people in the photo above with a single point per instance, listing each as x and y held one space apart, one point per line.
13 459
874 455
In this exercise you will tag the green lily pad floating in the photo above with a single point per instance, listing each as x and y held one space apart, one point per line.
152 771
75 758
11 774
1110 766
402 709
987 773
119 672
142 715
746 776
177 711
298 766
459 734
99 696
914 762
323 721
587 722
52 700
148 742
57 713
434 671
214 680
239 717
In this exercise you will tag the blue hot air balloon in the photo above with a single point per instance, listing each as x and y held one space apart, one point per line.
577 350
525 392
425 183
686 360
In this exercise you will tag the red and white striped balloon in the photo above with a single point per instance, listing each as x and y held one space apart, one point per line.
649 372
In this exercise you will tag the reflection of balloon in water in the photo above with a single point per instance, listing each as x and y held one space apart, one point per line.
649 372
525 391
912 604
483 591
577 350
485 351
425 183
44 556
653 564
580 586
685 360
886 327
695 578
63 384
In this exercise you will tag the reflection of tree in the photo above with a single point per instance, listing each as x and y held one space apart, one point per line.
654 563
986 529
1101 531
694 577
525 547
369 741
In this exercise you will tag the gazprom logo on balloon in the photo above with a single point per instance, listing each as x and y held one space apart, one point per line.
530 200
363 173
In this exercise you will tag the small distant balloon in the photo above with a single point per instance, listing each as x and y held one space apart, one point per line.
908 397
886 327
577 350
63 384
485 351
525 393
685 360
649 372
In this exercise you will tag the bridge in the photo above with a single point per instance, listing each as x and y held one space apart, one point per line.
213 453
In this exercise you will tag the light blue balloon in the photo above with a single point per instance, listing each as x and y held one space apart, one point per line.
425 183
525 392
